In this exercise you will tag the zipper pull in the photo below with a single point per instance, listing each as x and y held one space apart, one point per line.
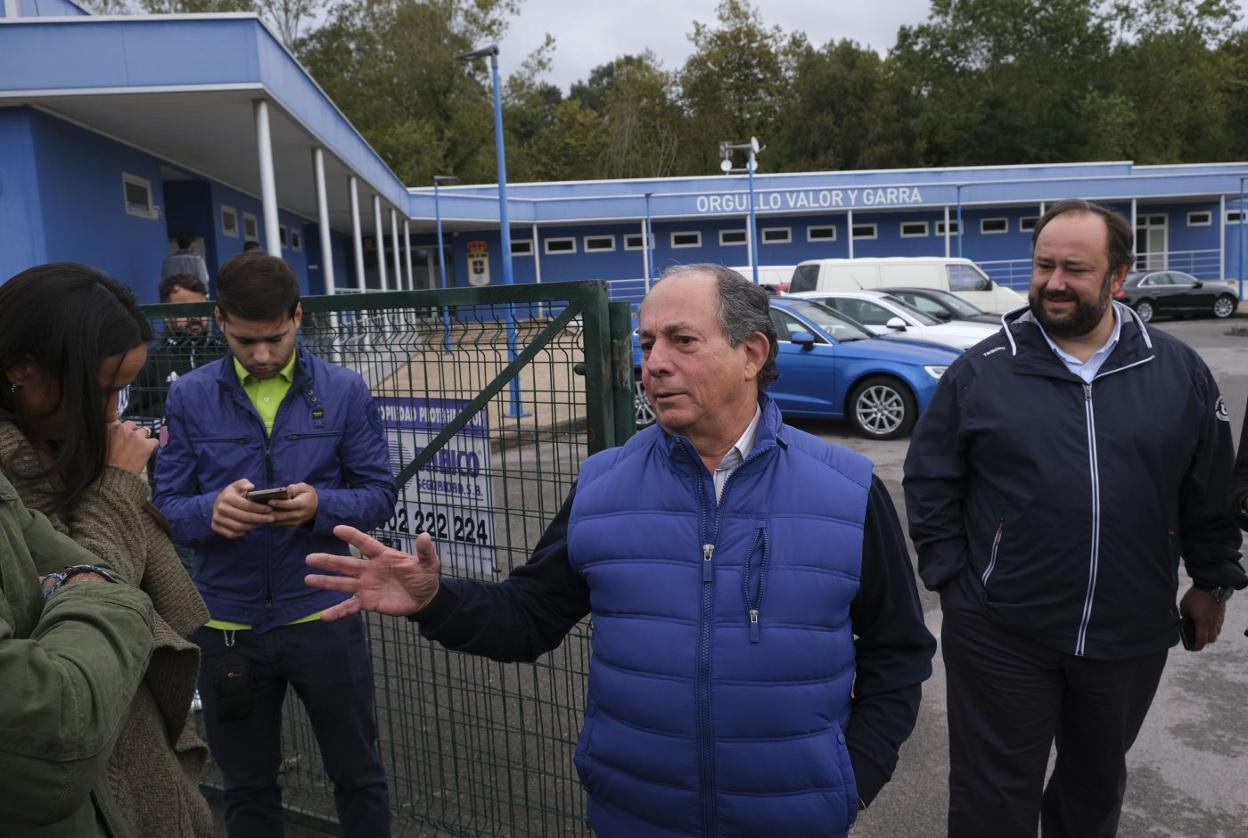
1087 392
755 630
708 570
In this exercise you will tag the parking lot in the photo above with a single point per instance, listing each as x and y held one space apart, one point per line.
1189 768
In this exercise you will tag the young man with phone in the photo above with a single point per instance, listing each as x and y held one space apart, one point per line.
263 453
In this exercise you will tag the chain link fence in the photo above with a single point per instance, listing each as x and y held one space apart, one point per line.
491 398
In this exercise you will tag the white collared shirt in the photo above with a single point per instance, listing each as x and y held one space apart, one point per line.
736 455
1087 370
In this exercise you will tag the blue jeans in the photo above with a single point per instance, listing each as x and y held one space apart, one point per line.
329 666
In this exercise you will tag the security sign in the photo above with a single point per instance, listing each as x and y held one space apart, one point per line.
478 263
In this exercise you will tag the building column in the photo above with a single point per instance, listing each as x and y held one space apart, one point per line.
537 258
11 9
357 237
947 239
322 220
394 249
379 235
268 186
407 253
1221 237
849 230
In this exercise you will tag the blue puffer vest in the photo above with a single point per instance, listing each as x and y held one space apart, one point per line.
723 656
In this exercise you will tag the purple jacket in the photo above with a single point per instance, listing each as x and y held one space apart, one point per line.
327 433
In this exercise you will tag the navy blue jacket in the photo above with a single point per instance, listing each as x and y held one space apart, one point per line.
1061 509
719 698
327 433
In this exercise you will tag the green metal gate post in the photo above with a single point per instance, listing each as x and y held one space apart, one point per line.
622 370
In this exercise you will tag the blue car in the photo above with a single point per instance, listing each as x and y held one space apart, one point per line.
832 367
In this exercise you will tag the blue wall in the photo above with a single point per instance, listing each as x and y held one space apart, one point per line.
21 219
83 204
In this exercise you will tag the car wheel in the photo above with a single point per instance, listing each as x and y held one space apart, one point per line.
882 408
1144 308
643 413
1224 306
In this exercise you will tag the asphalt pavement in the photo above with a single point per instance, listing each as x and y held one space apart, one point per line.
1189 767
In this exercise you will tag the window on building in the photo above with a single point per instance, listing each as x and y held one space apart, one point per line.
865 231
777 235
1233 216
282 236
521 247
137 192
251 227
940 228
731 237
1199 219
821 233
296 240
994 226
229 221
1027 223
632 241
553 246
913 229
599 243
687 239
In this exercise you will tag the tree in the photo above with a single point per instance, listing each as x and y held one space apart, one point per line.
391 66
1002 81
844 110
734 84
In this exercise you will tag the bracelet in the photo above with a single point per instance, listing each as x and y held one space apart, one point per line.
53 582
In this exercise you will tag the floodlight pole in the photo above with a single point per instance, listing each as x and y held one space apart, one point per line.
504 225
751 148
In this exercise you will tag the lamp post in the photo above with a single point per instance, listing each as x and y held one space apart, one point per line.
504 226
1243 208
751 149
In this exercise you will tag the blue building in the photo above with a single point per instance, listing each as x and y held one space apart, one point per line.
117 134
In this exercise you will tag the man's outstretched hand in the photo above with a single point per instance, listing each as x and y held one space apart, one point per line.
386 580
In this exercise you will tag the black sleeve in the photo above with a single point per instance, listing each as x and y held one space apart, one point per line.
893 645
936 482
1239 490
1210 540
520 618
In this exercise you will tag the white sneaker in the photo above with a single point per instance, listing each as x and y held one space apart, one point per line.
196 704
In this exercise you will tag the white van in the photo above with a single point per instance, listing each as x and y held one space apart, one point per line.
960 276
777 276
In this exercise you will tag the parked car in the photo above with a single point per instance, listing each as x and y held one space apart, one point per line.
1174 293
831 367
954 274
884 314
943 305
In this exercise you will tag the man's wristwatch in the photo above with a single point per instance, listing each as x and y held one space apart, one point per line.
53 582
1220 594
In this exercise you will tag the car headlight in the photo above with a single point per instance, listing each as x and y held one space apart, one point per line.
935 370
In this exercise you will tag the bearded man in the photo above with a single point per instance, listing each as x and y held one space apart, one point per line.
1062 469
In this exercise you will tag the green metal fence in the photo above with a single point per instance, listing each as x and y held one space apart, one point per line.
492 397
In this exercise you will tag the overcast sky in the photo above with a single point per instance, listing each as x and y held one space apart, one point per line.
592 32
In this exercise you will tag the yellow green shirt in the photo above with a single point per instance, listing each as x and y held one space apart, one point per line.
265 396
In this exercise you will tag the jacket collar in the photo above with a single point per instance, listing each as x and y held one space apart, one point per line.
1033 356
227 377
768 435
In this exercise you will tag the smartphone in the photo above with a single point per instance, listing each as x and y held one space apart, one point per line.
266 495
1187 632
